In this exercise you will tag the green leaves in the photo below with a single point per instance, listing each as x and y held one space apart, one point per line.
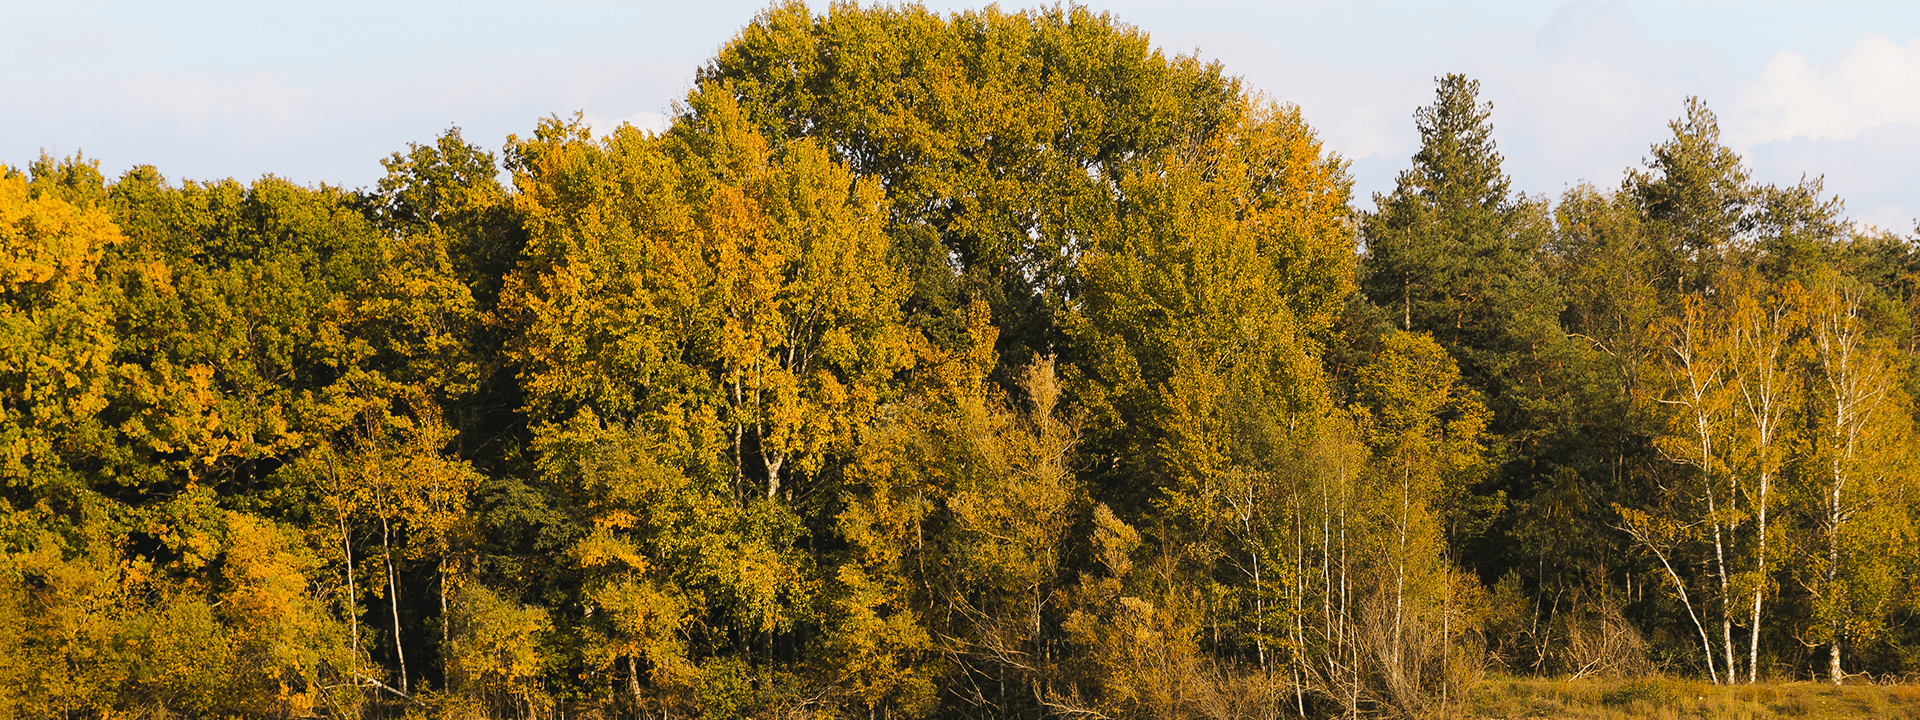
984 364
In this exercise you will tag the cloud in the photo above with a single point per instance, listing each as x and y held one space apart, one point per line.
1876 82
1603 32
1873 172
1582 100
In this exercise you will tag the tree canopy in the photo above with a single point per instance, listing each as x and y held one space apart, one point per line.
992 364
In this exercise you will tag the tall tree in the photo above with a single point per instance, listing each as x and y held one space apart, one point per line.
1453 253
1859 489
1692 381
998 134
1697 198
1450 251
726 306
1765 325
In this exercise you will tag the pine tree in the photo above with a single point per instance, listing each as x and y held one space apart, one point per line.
1451 253
1696 197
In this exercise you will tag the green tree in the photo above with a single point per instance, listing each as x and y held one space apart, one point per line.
1696 195
1001 135
1450 252
1453 253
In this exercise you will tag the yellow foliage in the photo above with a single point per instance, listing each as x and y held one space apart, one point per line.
278 627
56 335
498 649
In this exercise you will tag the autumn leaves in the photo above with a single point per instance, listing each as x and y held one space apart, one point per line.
985 365
1784 402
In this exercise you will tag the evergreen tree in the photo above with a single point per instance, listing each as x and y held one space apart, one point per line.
1452 253
1696 197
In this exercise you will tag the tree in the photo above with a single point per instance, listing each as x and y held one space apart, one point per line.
892 631
1729 381
1453 253
1427 433
1002 135
751 285
1449 249
1764 327
809 309
1697 197
1608 267
56 335
728 305
1694 385
1858 492
1226 260
1191 348
450 238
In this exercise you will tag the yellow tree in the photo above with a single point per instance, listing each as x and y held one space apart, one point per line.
64 589
1764 326
888 609
961 521
1691 382
281 630
704 270
1427 433
56 333
1860 447
808 304
399 473
1729 381
728 309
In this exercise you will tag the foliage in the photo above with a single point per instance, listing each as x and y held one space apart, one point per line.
993 364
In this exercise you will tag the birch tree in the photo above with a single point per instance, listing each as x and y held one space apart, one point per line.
1765 328
1857 486
1692 384
1427 434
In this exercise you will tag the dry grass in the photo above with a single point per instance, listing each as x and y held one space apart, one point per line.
1666 699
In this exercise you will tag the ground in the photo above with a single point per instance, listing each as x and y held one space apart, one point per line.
1667 699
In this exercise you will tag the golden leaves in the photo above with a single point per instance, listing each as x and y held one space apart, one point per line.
56 336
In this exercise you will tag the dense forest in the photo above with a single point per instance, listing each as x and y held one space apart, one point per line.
984 365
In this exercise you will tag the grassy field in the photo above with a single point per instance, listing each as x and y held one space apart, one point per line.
1665 699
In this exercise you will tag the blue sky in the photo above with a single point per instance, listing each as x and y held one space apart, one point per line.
319 92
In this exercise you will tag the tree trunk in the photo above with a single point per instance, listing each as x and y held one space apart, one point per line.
1259 590
393 598
1706 642
444 619
633 683
1726 599
773 462
353 596
1400 570
1760 584
1833 580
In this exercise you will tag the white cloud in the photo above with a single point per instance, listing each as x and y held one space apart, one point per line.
1583 103
1876 82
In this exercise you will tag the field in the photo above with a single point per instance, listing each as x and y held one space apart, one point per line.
1665 699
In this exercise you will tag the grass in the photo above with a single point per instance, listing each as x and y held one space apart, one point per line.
1669 699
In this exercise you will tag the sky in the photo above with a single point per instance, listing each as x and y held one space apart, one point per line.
320 92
